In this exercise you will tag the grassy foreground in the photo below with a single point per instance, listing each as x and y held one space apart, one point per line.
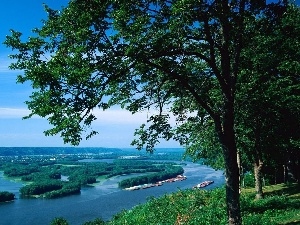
281 205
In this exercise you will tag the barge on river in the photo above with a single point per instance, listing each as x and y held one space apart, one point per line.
204 184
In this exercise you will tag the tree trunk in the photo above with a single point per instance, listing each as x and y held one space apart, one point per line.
297 170
258 162
240 170
232 186
258 179
285 173
226 135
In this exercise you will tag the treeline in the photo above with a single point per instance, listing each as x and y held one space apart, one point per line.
67 189
170 172
51 189
19 151
41 187
6 196
18 170
41 175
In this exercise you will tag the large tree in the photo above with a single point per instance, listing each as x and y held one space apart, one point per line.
177 56
268 90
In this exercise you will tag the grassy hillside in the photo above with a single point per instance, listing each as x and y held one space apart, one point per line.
281 206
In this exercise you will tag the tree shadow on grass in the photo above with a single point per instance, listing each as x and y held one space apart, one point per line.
273 203
285 198
278 200
293 223
287 190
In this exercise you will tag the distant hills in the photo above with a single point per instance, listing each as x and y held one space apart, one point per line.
18 151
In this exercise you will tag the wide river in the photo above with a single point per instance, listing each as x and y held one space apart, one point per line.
102 201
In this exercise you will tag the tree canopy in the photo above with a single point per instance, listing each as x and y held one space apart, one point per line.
185 58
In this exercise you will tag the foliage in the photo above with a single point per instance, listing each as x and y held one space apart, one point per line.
267 121
270 210
182 207
6 196
169 172
59 221
50 188
249 180
95 222
40 188
20 170
182 58
43 175
202 207
207 207
67 189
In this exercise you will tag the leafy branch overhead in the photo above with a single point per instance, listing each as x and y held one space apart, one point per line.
200 62
140 55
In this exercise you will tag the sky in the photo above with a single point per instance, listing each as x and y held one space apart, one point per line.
115 126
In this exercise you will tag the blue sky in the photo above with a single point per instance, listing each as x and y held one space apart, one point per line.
115 126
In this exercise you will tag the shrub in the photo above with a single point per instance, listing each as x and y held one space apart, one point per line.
95 222
6 196
59 221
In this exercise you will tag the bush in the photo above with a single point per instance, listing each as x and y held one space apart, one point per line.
6 196
59 221
95 222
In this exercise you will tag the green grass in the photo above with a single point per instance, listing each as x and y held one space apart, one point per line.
281 206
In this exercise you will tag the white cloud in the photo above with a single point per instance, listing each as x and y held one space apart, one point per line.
5 62
119 116
4 69
13 112
115 126
109 116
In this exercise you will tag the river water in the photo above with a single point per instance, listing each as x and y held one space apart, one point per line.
102 201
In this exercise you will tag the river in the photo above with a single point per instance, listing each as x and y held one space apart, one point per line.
102 201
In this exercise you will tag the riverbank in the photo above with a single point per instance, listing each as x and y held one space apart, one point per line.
157 184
